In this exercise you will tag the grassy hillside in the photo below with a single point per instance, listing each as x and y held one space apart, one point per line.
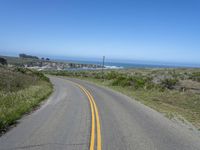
20 61
20 91
174 92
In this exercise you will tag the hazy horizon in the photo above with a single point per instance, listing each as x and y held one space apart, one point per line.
110 61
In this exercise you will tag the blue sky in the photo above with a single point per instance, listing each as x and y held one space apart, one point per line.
152 30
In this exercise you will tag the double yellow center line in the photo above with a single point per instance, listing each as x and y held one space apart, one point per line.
96 127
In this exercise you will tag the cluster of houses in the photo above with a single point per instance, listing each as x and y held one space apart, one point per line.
34 62
52 65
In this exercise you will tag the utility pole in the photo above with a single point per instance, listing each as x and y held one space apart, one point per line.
103 66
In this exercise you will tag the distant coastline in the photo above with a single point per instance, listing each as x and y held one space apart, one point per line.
139 64
95 64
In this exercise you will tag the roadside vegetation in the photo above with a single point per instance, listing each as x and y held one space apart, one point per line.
174 92
21 90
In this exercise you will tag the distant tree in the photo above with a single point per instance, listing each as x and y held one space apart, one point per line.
47 59
72 65
3 61
42 58
27 56
22 55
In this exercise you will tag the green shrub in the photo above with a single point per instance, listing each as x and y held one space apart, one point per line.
141 82
169 83
111 75
134 81
97 75
121 81
195 76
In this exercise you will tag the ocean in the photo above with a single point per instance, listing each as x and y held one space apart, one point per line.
139 64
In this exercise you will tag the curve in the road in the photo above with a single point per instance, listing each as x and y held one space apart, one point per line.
95 115
64 122
129 125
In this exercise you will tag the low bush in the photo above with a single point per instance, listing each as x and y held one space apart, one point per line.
169 83
121 81
195 76
111 75
133 81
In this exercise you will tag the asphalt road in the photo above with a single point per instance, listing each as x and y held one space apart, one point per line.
69 118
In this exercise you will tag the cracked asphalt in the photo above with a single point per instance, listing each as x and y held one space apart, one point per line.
64 122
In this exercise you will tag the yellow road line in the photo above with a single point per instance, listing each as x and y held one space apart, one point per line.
95 114
98 123
92 138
